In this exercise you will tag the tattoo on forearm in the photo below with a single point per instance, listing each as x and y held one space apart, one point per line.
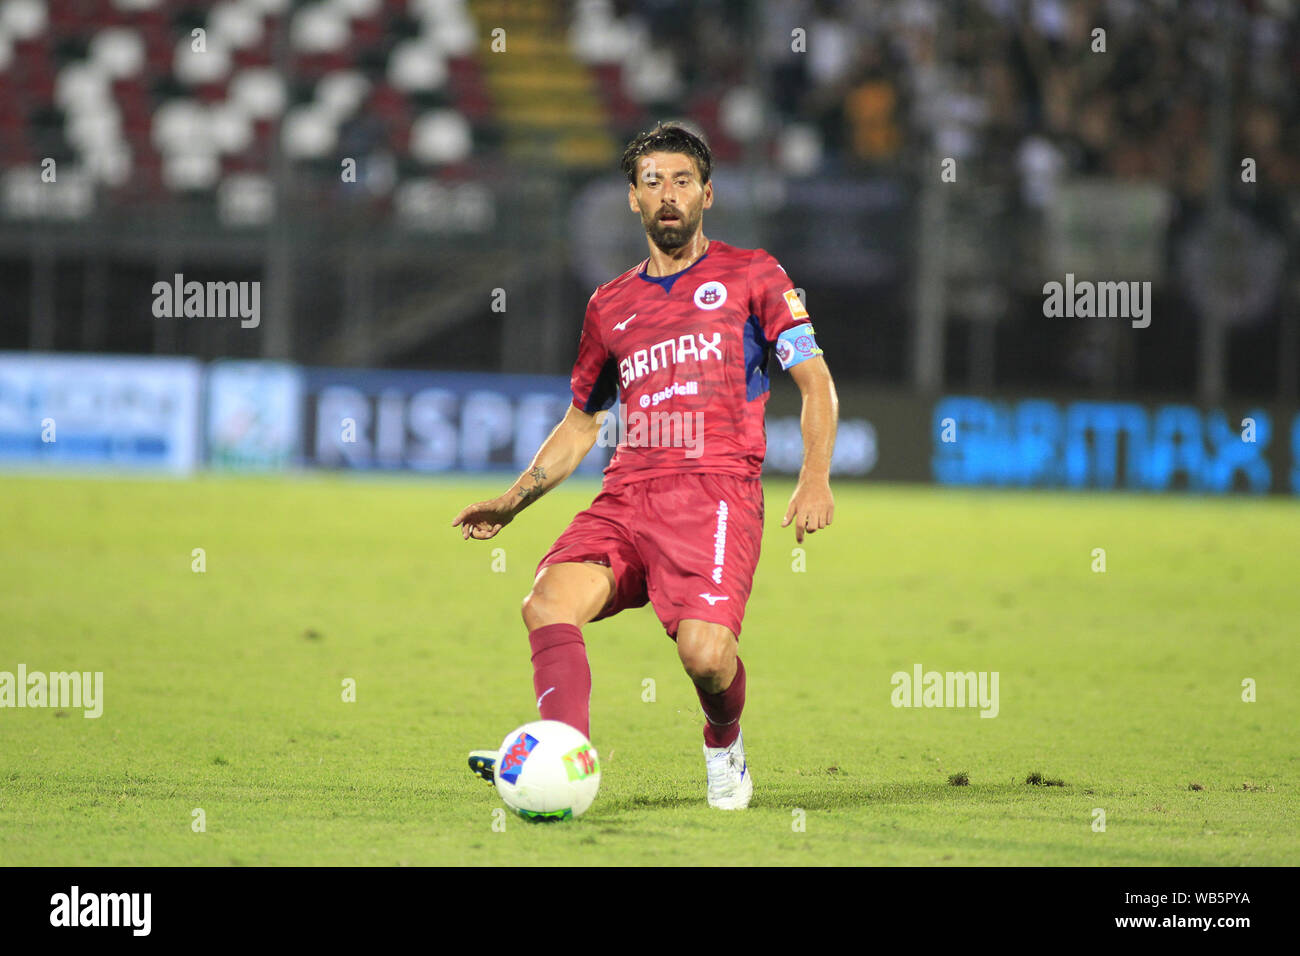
538 474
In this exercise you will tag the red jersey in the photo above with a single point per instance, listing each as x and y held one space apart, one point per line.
686 356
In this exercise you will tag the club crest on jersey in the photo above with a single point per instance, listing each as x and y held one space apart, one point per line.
711 295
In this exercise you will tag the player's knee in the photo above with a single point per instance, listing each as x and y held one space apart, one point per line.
542 607
706 659
567 595
537 609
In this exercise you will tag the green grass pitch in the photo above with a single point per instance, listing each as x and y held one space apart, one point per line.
223 690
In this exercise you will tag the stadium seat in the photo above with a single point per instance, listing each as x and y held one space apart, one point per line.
129 91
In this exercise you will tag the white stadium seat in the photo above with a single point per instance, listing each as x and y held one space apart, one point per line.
456 35
118 51
259 91
342 92
358 9
82 85
441 136
109 165
192 169
596 37
245 199
652 75
232 130
417 65
209 66
740 113
91 130
270 7
799 149
237 25
308 132
434 10
179 125
25 195
23 19
319 29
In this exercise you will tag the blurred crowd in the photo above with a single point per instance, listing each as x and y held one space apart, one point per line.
1118 88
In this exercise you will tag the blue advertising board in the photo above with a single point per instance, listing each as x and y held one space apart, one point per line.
254 415
432 421
1114 445
99 411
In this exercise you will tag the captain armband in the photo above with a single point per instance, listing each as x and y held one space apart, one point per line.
796 345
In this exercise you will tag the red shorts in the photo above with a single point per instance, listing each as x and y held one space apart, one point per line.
688 544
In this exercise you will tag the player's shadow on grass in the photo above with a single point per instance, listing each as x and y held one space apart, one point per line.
834 794
665 801
839 793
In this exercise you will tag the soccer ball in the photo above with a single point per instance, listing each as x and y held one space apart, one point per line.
547 771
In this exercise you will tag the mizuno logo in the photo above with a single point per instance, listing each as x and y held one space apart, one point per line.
622 325
712 599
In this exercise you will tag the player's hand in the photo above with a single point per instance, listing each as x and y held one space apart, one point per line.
811 507
485 519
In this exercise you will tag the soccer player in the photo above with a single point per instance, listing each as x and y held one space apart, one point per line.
682 341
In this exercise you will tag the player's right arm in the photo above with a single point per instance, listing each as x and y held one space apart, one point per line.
559 455
594 385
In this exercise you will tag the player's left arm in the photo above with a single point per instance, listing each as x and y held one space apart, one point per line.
812 506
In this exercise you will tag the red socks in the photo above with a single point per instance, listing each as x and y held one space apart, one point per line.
562 682
722 711
561 675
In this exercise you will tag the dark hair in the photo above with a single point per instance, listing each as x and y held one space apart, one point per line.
668 138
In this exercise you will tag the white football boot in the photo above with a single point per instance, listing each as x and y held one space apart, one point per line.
730 785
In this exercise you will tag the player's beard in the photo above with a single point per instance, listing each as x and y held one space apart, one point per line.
671 237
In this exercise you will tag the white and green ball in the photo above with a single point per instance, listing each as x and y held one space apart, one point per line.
547 771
